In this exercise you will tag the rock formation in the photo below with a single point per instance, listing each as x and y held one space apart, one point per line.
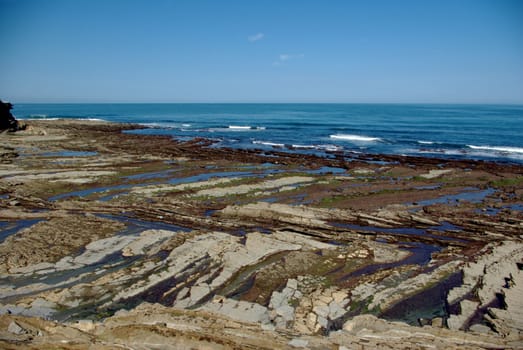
7 120
112 240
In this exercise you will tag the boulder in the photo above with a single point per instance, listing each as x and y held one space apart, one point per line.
7 120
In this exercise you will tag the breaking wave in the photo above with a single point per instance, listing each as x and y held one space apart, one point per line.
271 144
355 138
502 149
246 127
325 148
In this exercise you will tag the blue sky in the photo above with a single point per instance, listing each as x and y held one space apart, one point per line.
457 51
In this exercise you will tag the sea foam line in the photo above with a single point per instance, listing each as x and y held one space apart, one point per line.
266 143
506 149
245 127
357 138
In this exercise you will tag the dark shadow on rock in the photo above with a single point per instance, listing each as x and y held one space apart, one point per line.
7 121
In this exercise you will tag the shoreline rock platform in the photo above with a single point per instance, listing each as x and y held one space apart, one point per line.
110 239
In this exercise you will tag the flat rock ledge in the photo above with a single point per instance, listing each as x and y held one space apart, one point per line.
152 326
496 282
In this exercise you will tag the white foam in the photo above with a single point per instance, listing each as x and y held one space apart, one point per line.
355 138
426 142
37 116
504 149
42 119
304 146
237 127
244 128
266 143
477 152
329 148
158 125
332 148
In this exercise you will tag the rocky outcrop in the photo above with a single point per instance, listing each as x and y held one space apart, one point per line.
492 291
45 243
384 296
381 334
7 120
285 183
266 261
320 311
154 326
296 215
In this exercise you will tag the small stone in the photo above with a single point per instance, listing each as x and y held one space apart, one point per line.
301 327
280 323
84 325
338 296
15 328
286 312
323 322
437 322
292 283
199 292
317 328
276 300
345 304
424 321
311 320
319 302
306 303
273 314
127 252
335 310
268 327
183 294
322 311
468 308
480 328
298 343
326 299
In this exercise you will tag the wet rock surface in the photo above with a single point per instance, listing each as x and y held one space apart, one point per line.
111 240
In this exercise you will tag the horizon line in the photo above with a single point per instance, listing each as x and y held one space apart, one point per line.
270 102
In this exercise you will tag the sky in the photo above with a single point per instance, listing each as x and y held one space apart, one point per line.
373 51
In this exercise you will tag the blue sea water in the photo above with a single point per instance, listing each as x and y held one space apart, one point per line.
487 132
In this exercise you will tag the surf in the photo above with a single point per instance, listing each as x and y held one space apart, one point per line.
355 138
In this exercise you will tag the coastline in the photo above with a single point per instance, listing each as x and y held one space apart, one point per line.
476 132
295 247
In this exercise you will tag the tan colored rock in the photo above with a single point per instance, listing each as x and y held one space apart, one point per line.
468 308
299 215
436 173
84 325
265 185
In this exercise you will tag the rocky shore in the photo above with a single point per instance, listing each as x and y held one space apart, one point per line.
110 239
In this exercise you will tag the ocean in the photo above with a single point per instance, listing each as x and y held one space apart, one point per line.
480 132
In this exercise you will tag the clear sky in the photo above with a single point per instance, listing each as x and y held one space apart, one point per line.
457 51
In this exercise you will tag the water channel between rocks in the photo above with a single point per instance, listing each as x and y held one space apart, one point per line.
409 310
108 262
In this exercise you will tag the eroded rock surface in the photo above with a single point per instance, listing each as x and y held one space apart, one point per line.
112 240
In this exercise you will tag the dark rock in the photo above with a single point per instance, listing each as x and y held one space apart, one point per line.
7 120
424 322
